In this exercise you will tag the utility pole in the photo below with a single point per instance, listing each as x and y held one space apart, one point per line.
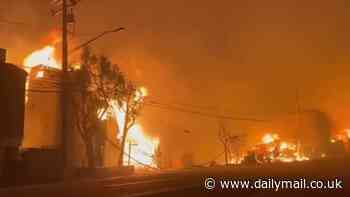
298 118
129 155
64 37
65 95
65 8
297 102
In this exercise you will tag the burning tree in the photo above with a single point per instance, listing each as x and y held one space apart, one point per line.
102 91
97 85
131 105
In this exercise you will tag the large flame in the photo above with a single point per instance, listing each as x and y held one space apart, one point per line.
44 56
277 150
139 146
269 138
343 136
347 133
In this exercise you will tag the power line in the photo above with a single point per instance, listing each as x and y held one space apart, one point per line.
194 106
171 108
11 22
43 91
211 115
151 103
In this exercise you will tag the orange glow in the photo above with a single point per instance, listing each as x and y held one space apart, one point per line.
347 133
144 91
54 37
238 159
141 93
284 145
75 66
300 157
342 136
40 74
102 115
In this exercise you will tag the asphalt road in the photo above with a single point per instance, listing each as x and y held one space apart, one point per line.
191 182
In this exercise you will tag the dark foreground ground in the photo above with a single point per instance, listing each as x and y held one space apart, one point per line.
192 182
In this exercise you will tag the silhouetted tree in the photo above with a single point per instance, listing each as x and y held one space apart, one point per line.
228 140
96 84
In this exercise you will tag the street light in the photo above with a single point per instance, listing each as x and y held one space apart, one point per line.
95 38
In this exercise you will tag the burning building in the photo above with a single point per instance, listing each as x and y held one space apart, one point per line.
42 113
43 123
43 119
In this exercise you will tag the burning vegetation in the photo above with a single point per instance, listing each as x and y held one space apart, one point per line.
140 149
274 149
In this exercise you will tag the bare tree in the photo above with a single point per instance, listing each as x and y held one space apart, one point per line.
228 140
96 85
